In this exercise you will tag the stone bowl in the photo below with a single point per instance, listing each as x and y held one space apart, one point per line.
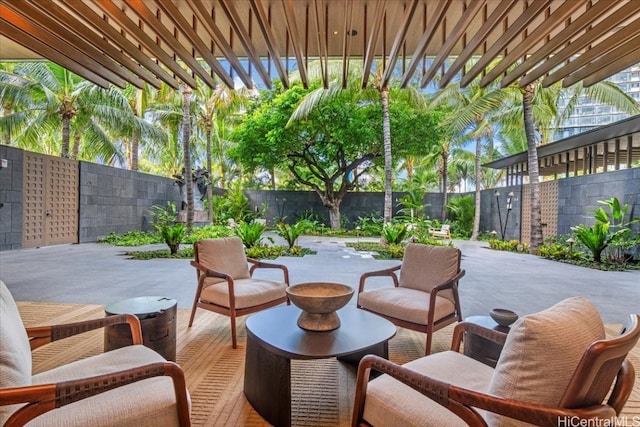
319 302
503 317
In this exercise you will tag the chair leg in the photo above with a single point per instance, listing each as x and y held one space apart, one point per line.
193 312
234 339
427 350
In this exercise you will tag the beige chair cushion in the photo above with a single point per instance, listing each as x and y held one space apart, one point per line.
425 266
147 403
405 304
392 403
247 292
15 352
542 352
224 255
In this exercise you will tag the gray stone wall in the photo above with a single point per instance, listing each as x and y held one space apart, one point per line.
118 200
578 197
11 198
490 218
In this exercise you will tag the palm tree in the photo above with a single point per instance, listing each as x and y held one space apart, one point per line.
539 108
214 108
186 136
471 119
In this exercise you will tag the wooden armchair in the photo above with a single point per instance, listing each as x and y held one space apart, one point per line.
445 232
556 367
226 284
132 385
425 292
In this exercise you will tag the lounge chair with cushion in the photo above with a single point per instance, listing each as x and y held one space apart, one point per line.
130 386
556 368
445 232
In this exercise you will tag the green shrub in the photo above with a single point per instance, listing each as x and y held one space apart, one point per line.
394 233
511 245
250 233
207 232
132 238
290 233
370 225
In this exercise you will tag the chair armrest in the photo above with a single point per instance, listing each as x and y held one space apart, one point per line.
385 272
464 402
41 335
45 397
209 272
449 284
260 264
466 327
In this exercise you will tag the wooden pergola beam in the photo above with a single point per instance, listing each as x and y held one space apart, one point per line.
245 39
626 57
520 51
101 43
20 30
513 31
583 42
115 13
120 40
629 31
496 17
320 19
171 11
346 41
452 38
142 10
270 40
372 41
401 34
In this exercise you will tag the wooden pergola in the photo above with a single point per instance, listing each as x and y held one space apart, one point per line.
176 42
612 147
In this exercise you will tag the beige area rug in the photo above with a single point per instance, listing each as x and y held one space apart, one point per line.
322 389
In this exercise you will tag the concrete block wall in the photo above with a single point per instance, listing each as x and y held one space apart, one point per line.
578 197
11 198
118 200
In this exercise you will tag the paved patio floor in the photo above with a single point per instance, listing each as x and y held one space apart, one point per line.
98 274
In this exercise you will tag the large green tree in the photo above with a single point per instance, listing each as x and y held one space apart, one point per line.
330 149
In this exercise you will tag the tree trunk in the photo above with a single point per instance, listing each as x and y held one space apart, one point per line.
66 134
186 136
533 166
209 171
6 135
76 146
135 142
334 216
445 167
476 215
386 131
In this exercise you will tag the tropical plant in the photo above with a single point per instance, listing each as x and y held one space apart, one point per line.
288 232
249 232
462 212
412 206
164 221
394 233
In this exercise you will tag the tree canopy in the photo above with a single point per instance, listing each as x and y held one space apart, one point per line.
334 146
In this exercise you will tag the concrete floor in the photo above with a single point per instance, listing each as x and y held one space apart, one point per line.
99 274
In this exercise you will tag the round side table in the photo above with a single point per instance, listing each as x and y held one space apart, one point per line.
480 348
158 319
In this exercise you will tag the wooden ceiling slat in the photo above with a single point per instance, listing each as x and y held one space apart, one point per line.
629 31
615 56
452 38
113 12
170 9
99 42
292 29
401 34
562 38
372 41
539 33
321 40
589 37
19 32
480 36
346 41
269 38
149 18
46 19
50 39
245 39
119 40
520 24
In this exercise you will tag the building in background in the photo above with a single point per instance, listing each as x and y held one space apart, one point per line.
589 114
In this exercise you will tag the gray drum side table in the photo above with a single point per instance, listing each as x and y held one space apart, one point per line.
158 320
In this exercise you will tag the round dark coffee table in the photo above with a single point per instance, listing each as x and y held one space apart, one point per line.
274 338
158 320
